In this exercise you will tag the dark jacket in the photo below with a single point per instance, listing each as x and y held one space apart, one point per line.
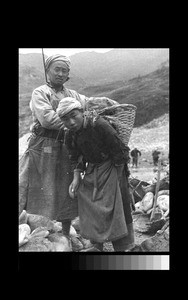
135 153
97 141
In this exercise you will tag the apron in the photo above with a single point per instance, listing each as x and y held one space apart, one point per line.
100 204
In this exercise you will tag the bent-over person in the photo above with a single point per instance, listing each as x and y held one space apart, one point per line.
103 195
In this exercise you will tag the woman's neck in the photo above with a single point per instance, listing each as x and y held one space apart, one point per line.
57 88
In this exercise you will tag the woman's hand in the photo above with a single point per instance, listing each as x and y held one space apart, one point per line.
74 185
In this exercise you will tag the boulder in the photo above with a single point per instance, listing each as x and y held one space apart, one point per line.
147 202
75 223
35 221
163 202
73 232
37 244
86 243
158 242
24 232
39 232
23 217
61 243
76 244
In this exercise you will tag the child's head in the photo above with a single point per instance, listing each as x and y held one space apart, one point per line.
70 112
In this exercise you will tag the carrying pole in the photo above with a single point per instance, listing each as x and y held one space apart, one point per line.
156 191
44 65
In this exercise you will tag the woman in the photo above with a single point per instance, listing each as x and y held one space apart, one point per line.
44 170
103 195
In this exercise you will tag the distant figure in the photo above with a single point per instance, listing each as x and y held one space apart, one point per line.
134 154
155 155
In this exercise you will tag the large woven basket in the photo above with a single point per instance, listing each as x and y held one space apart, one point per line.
122 116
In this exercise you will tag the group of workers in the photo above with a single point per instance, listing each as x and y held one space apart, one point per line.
135 154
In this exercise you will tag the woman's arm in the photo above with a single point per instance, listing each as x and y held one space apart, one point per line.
43 110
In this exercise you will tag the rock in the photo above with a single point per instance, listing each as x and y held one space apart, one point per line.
166 214
24 232
37 244
137 212
147 201
75 223
93 249
159 242
76 244
163 192
23 217
57 226
39 232
166 234
35 221
60 242
73 232
86 243
138 205
143 224
163 202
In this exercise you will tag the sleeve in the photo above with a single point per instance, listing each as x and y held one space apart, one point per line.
43 111
75 155
118 152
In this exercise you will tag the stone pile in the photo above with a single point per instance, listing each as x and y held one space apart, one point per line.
40 234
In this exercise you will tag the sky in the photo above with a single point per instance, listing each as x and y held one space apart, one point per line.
64 51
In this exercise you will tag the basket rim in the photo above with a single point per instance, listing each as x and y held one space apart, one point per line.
119 105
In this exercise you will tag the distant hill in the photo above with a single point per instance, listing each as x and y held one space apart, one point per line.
117 64
150 94
92 68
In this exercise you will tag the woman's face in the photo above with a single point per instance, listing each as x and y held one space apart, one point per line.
73 120
58 73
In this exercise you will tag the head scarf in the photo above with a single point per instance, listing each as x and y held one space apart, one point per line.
66 105
57 57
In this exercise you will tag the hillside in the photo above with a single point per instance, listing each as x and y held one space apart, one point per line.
150 94
91 68
31 74
117 64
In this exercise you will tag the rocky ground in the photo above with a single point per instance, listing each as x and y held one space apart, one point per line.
145 138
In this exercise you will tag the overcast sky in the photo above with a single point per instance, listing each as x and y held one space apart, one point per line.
64 51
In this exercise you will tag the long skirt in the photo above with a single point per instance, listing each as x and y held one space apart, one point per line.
103 206
44 178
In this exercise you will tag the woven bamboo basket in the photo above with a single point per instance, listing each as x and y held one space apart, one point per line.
122 117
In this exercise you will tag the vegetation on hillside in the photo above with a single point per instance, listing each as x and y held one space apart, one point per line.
149 93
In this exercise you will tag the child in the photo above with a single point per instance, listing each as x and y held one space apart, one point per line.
103 195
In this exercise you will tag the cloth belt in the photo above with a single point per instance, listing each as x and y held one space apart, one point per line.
50 133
